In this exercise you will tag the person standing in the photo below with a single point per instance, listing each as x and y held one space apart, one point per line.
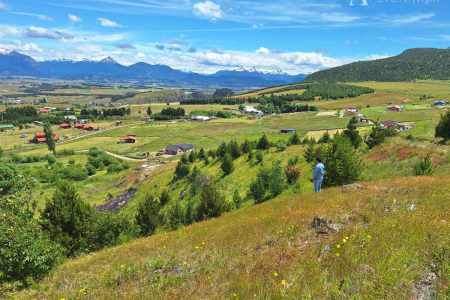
319 170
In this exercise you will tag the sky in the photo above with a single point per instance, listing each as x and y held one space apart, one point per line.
296 36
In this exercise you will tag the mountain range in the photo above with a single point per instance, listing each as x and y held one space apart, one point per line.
104 68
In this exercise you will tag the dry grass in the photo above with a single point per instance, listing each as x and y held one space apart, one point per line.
236 256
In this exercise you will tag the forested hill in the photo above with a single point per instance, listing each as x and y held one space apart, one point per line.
425 63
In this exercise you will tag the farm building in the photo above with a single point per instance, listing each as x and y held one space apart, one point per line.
79 126
129 138
72 118
146 118
287 131
227 108
118 123
251 117
4 127
352 110
178 149
84 121
44 111
65 126
66 108
39 123
395 108
403 126
440 103
386 124
88 127
39 137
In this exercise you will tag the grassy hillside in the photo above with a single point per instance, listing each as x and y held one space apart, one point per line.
394 233
412 64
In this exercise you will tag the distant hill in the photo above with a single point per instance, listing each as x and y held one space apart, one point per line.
105 68
426 63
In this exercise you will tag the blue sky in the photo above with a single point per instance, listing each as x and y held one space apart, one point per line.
297 36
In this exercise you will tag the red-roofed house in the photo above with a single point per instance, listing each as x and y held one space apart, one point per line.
129 139
44 111
88 127
386 124
79 126
65 126
39 137
146 118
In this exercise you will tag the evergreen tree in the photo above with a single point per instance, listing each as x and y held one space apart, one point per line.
443 127
149 111
227 165
212 203
237 200
263 143
247 146
49 137
235 150
201 153
1 152
148 217
206 160
184 158
310 153
66 218
424 166
176 215
295 140
342 164
192 156
352 133
222 150
375 137
164 198
257 190
182 170
128 111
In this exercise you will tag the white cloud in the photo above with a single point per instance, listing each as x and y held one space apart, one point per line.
208 10
263 50
255 26
19 46
108 23
4 6
125 45
41 17
176 42
347 43
408 19
338 17
74 18
38 33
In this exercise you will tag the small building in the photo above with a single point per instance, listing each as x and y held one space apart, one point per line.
364 120
68 136
351 110
395 108
129 139
39 123
39 137
84 121
150 120
178 149
287 131
403 126
387 124
66 108
251 117
88 127
44 111
72 118
65 126
227 108
146 118
5 127
118 123
440 103
79 126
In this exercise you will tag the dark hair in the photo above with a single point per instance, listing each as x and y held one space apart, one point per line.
319 159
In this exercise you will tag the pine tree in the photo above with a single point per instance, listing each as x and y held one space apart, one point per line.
148 217
424 166
182 170
201 153
128 111
342 164
235 150
184 158
443 127
375 137
212 203
352 133
246 147
263 143
227 165
192 156
295 140
164 198
223 149
237 200
277 179
206 160
149 111
176 215
67 218
310 153
49 138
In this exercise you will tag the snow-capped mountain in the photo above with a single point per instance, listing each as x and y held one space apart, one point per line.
264 73
105 68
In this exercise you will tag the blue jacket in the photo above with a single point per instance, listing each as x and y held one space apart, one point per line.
318 171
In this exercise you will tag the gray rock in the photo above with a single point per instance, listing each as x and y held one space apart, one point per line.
353 186
325 226
426 288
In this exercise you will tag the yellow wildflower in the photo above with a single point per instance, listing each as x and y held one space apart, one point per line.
121 266
185 263
344 241
275 274
338 246
337 254
283 282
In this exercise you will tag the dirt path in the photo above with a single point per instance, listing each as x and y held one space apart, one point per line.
125 158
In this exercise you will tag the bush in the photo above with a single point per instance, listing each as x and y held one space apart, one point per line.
75 173
259 157
257 190
25 250
424 166
212 203
292 174
182 170
90 169
11 178
443 128
295 140
51 160
118 167
277 179
71 161
237 200
165 197
66 152
175 218
16 158
293 161
148 217
281 146
94 152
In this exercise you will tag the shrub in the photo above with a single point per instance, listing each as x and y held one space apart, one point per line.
277 179
90 169
11 178
25 250
67 218
165 197
293 161
66 152
192 156
118 167
292 174
175 217
424 166
94 152
443 128
235 149
75 173
227 165
51 160
237 200
281 146
257 190
71 161
259 157
212 203
16 158
295 140
182 170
